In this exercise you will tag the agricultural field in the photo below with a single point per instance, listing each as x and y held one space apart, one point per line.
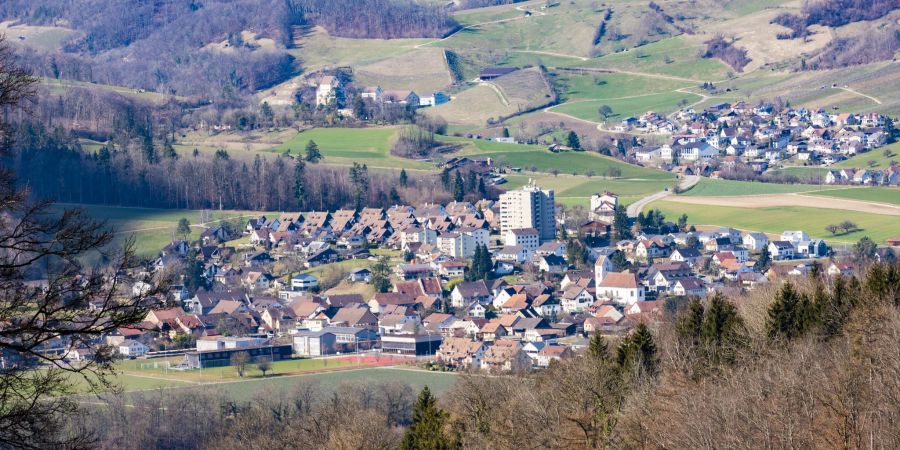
47 38
676 57
710 187
421 70
317 49
473 106
889 195
59 86
777 219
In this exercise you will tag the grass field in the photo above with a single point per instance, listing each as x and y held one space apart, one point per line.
598 86
664 102
710 187
869 194
345 146
577 190
541 159
676 56
421 70
775 220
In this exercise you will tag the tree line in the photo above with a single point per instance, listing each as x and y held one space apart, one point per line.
132 171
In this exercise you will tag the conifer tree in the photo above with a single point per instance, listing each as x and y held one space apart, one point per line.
459 189
789 314
404 179
313 154
300 183
637 352
427 429
597 347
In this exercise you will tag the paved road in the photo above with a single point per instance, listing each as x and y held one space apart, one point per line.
635 208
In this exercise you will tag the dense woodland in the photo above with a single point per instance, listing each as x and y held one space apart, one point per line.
808 364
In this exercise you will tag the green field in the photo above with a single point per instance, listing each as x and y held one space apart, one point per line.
711 187
683 60
612 85
868 194
538 157
777 219
664 102
577 190
345 146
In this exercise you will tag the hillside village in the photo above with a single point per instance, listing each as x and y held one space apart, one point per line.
724 138
495 285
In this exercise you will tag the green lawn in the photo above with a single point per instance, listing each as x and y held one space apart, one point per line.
777 219
869 194
664 102
711 187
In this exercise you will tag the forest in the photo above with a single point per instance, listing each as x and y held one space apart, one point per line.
719 47
162 46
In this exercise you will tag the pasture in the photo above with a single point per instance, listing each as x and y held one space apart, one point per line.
777 219
881 157
344 146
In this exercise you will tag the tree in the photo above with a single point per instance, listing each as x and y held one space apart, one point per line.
572 141
79 302
637 354
621 225
445 178
832 228
300 183
240 360
764 260
864 249
505 132
184 228
381 275
459 189
264 365
427 429
597 347
682 222
605 111
848 226
404 179
789 315
313 154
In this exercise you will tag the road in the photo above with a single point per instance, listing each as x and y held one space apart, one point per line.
635 208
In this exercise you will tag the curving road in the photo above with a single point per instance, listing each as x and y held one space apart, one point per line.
686 183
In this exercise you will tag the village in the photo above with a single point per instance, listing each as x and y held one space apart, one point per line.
725 137
494 286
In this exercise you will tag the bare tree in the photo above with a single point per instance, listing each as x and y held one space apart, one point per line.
73 308
240 360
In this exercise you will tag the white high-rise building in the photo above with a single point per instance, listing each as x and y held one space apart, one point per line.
529 207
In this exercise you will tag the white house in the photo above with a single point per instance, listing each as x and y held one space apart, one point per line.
780 250
304 282
755 241
436 98
131 348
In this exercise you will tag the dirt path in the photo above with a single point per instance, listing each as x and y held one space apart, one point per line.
810 201
860 94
